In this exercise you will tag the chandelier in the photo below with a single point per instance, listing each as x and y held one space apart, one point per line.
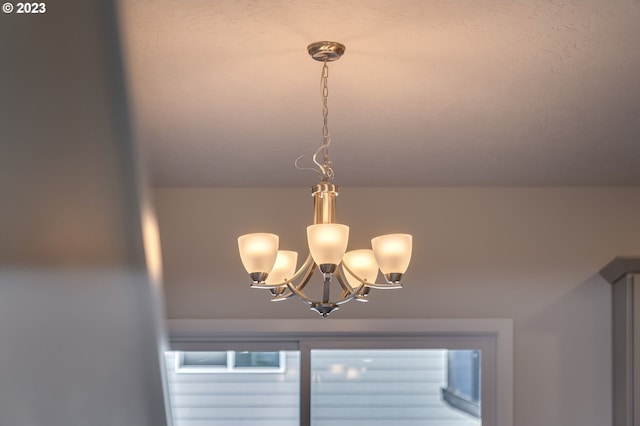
348 275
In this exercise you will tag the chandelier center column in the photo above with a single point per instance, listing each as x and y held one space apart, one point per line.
324 202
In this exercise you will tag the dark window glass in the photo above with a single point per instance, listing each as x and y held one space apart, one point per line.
204 359
463 381
257 359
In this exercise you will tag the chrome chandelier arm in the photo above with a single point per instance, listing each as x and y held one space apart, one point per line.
385 286
344 283
306 271
349 293
295 276
346 288
298 289
306 278
381 286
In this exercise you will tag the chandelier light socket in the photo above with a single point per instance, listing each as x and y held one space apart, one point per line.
258 277
393 277
277 292
363 296
258 253
327 268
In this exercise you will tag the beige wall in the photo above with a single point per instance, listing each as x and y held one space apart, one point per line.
531 254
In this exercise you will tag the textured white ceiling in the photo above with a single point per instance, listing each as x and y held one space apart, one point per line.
439 92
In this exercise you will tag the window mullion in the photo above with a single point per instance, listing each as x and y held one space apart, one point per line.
305 383
231 360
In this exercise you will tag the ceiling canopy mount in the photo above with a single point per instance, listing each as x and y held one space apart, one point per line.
326 50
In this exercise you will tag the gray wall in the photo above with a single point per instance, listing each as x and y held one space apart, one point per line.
80 310
531 254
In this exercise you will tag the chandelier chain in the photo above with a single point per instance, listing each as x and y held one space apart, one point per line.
324 79
324 167
327 165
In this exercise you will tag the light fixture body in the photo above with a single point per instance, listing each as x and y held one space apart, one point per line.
354 272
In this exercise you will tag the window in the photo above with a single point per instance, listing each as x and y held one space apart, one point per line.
206 398
197 362
393 373
382 387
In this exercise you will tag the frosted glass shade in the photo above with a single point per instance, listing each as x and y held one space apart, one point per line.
258 252
327 242
363 264
392 252
284 268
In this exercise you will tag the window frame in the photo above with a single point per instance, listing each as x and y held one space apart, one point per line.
494 337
